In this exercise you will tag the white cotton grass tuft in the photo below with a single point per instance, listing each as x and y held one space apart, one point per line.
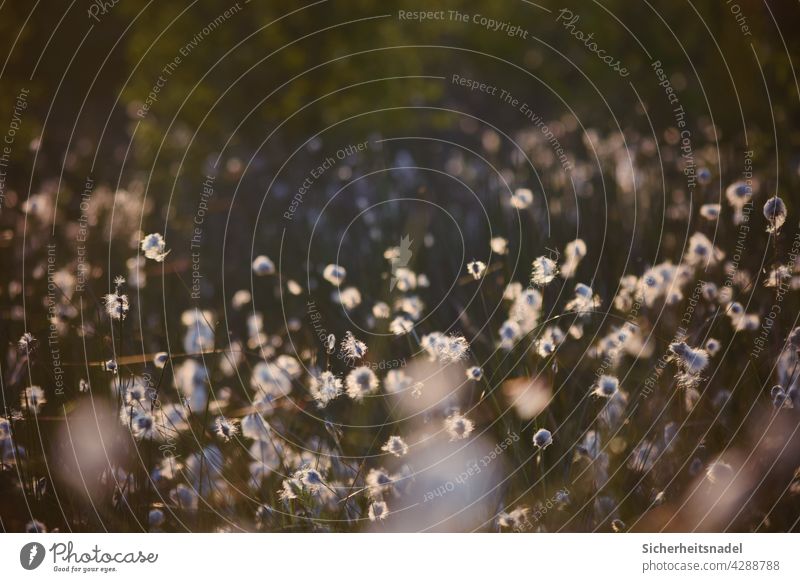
398 382
155 517
395 446
291 488
549 341
778 275
143 426
528 396
154 247
32 399
780 397
352 348
349 298
606 386
360 382
649 286
116 304
526 307
542 439
521 198
751 322
710 211
184 497
794 338
378 481
306 480
775 213
26 343
401 325
334 274
160 360
476 269
458 426
710 291
701 252
330 343
544 271
226 429
410 305
512 291
35 526
199 336
403 278
445 348
136 392
738 195
325 388
378 511
381 310
735 311
719 472
510 332
574 252
111 366
712 346
585 300
263 265
499 245
691 361
516 519
311 479
290 365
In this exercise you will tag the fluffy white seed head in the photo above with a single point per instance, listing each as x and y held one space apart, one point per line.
542 439
775 213
154 247
710 211
325 388
361 382
606 386
352 348
476 269
263 265
499 245
334 274
395 446
458 426
521 198
116 305
378 511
